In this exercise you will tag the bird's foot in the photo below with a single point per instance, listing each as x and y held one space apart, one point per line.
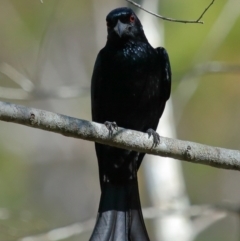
156 137
111 126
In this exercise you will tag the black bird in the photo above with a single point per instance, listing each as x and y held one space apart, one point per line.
131 83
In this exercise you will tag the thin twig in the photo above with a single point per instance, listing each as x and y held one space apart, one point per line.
61 92
195 211
16 76
192 78
205 11
62 232
172 19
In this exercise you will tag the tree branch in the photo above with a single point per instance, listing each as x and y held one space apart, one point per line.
171 19
123 138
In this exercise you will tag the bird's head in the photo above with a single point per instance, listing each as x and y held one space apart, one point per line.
123 24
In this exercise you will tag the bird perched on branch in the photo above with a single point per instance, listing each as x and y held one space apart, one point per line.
131 83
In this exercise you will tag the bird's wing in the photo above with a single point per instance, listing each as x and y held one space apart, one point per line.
166 75
96 88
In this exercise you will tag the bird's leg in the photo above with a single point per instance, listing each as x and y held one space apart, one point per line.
111 126
156 137
135 160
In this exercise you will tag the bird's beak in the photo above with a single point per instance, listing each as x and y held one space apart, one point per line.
120 28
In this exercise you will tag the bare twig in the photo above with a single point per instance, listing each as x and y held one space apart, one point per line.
28 91
171 19
211 213
205 11
63 232
215 38
61 92
123 138
213 68
17 77
192 78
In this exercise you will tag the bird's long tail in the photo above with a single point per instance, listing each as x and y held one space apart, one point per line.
120 215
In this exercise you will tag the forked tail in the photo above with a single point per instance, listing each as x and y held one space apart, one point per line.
120 215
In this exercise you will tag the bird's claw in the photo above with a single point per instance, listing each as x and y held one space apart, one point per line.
111 126
156 137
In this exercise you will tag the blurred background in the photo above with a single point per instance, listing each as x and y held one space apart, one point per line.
49 186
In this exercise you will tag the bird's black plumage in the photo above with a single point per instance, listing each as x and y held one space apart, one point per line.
131 83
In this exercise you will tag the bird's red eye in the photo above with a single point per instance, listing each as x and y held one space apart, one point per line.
132 18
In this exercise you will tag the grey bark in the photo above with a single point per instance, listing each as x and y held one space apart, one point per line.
123 138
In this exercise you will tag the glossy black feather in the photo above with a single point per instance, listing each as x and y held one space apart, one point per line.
131 83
